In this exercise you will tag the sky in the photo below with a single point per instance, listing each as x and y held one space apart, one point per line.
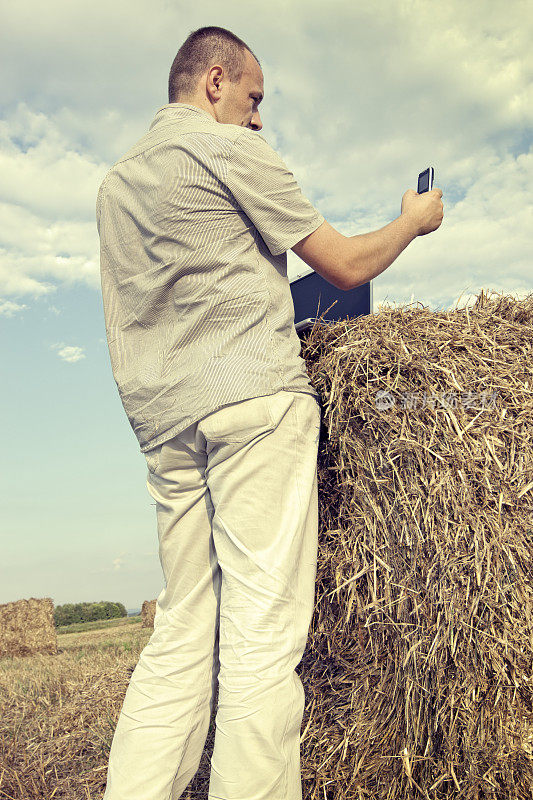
359 98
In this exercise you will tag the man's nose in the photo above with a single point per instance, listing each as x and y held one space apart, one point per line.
255 122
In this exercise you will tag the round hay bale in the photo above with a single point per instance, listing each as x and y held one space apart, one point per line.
148 613
418 668
27 627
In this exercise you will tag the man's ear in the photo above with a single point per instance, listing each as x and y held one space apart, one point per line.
215 76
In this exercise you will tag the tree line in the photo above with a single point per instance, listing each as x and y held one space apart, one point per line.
87 612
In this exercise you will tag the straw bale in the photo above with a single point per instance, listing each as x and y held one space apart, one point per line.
148 613
27 627
418 667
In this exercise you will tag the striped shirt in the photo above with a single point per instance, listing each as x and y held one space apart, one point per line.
194 224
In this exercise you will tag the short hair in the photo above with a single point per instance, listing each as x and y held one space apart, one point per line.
198 52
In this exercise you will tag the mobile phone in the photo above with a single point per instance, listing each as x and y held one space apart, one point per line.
425 180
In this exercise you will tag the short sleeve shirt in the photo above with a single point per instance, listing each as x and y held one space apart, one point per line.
194 224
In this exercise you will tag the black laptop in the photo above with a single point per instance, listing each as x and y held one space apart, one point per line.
313 295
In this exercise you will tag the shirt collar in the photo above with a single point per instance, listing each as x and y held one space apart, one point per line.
183 107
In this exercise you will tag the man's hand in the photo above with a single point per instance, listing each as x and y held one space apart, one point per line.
426 209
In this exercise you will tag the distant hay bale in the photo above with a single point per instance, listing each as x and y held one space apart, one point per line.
27 627
148 614
418 667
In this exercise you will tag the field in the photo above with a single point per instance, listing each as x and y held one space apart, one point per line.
60 712
418 664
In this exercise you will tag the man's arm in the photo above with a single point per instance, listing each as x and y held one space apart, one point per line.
350 261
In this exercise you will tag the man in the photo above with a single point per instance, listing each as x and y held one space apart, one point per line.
194 223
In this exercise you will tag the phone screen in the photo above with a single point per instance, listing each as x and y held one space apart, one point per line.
424 181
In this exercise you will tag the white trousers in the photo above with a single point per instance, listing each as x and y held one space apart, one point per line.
237 511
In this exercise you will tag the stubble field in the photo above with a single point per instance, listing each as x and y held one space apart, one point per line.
59 712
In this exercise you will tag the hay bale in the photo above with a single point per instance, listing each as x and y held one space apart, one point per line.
27 627
148 613
418 668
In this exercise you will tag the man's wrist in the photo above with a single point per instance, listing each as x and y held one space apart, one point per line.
411 224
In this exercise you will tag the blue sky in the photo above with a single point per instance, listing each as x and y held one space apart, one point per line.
359 98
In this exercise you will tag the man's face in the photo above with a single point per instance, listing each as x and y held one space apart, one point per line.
238 103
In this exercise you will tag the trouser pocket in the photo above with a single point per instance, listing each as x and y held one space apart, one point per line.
153 457
242 421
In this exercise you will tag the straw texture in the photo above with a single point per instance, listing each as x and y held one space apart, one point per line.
418 668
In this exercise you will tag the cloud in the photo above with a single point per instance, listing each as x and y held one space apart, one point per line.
128 562
47 207
118 563
485 240
68 353
394 88
8 308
